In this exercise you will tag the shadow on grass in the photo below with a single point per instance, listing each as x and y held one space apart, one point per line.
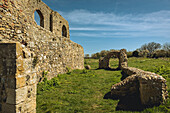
126 103
109 69
109 96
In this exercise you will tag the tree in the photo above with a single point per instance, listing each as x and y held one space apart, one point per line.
159 53
143 47
151 47
166 46
87 55
144 53
129 54
103 53
135 53
95 56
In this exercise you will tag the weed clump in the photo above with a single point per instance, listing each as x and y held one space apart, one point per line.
48 84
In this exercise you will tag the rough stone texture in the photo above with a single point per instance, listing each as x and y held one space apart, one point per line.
121 55
17 82
27 50
88 67
152 88
50 42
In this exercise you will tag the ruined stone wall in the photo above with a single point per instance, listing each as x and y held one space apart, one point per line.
147 88
52 20
17 79
121 55
54 52
152 87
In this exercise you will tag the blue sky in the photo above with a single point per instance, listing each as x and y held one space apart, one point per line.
115 24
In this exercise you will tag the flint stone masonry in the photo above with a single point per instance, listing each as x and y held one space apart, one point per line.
27 50
50 41
152 88
121 55
17 81
149 87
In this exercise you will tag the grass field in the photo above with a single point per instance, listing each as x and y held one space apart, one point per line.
82 91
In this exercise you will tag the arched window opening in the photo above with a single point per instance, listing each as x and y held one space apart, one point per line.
64 31
113 62
39 18
51 23
121 55
110 61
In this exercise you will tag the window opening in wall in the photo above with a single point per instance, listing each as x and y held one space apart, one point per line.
39 18
64 31
113 62
51 23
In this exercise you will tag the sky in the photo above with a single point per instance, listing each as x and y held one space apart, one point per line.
115 24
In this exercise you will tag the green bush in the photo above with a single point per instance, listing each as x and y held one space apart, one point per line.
159 53
135 53
129 54
48 84
144 53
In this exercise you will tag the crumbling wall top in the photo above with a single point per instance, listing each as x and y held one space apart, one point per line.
49 19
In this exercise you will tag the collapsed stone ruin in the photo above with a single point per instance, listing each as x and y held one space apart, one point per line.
27 50
138 89
121 55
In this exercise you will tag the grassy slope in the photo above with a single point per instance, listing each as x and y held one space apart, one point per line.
83 91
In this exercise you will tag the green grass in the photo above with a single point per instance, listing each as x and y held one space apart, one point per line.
82 91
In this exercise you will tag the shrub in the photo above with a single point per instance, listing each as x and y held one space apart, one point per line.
129 54
49 84
159 53
144 53
135 53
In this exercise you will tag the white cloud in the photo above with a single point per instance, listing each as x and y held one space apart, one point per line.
94 29
128 25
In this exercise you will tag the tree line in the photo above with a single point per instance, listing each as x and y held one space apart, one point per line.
150 50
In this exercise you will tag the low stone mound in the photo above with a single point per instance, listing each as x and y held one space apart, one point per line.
138 89
148 88
88 67
121 55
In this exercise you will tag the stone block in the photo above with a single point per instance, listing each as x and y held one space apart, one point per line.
26 107
11 96
19 64
88 67
148 84
8 50
20 81
1 67
37 39
11 63
30 106
19 52
11 82
27 64
33 78
8 108
21 94
15 96
10 72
